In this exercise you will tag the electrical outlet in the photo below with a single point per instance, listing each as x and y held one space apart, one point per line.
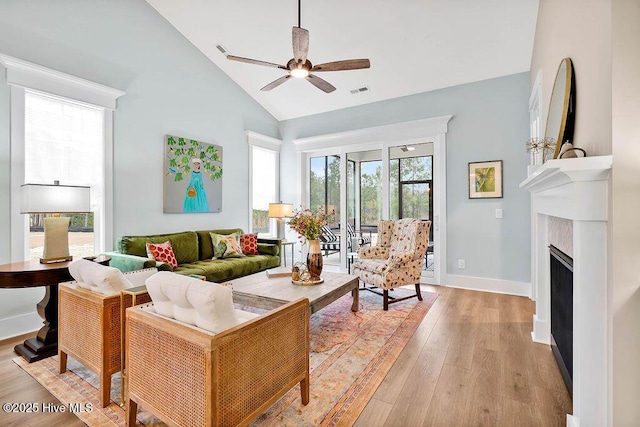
499 213
461 264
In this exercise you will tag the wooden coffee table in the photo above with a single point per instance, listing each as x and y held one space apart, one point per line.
258 290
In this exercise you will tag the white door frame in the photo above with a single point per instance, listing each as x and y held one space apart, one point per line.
383 137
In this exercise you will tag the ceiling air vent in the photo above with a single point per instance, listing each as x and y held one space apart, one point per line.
222 49
359 90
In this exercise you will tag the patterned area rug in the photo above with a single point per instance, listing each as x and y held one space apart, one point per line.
350 355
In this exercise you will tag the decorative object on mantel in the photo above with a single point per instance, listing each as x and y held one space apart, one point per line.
201 164
308 225
562 107
540 149
485 180
568 151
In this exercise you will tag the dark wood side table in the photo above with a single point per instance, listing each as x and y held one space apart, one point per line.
29 274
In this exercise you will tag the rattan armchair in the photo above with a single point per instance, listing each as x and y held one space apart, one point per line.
89 329
187 376
396 260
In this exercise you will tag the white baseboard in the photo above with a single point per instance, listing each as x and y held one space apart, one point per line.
498 286
572 421
19 325
541 331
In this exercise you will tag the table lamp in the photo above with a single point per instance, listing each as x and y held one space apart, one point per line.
55 199
280 211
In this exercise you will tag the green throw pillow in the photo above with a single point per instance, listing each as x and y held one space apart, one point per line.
226 246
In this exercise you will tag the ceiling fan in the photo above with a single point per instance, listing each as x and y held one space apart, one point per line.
300 67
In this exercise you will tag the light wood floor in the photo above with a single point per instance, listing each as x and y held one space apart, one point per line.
470 363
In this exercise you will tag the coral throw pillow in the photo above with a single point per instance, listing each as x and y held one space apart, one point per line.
162 252
249 244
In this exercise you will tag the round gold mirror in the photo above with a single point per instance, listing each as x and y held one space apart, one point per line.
561 116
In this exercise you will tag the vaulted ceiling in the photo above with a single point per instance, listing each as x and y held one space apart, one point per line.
414 45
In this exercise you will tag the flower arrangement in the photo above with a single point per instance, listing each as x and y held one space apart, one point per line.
308 224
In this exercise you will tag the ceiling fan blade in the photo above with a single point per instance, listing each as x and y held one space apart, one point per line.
276 82
300 38
320 84
347 64
255 61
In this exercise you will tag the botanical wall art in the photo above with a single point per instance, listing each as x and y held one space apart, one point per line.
485 180
193 176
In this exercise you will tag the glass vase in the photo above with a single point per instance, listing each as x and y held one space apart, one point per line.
314 259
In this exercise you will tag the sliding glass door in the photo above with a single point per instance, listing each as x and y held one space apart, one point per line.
324 185
386 183
411 189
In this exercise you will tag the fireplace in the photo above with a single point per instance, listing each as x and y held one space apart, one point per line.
561 276
577 191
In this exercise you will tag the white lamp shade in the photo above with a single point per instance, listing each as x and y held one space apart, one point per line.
280 210
45 198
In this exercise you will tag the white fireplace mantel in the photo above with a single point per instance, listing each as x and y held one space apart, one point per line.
577 190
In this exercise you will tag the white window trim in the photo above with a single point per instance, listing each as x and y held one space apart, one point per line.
383 137
255 139
22 74
535 100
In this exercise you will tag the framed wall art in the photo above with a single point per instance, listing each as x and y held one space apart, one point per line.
485 180
193 176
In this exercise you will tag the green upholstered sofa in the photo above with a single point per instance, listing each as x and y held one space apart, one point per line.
194 253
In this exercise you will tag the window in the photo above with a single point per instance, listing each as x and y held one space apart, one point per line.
410 185
324 186
64 142
370 192
61 129
264 180
351 193
264 184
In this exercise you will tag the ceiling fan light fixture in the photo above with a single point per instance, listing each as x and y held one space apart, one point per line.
299 73
299 66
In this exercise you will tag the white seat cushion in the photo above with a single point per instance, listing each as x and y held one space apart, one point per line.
206 305
92 275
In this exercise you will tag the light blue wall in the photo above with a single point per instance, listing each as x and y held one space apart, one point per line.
172 88
490 122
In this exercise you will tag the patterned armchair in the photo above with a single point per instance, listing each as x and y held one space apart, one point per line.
397 258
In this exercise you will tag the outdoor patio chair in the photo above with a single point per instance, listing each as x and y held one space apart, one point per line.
353 233
396 260
330 242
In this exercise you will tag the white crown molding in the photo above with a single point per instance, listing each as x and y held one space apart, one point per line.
264 141
33 76
378 134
